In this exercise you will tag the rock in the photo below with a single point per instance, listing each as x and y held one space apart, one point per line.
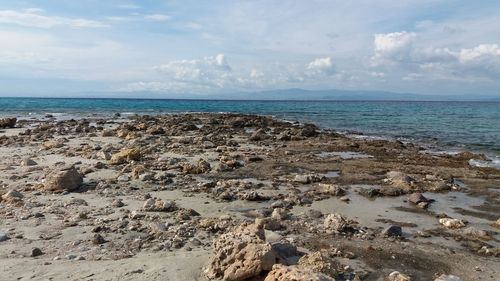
308 131
293 273
417 198
98 239
118 203
397 276
103 155
496 224
445 277
158 205
125 155
12 196
8 123
477 233
320 262
65 179
335 222
3 237
28 162
258 135
241 254
305 179
399 179
393 231
123 178
35 252
452 223
331 189
201 167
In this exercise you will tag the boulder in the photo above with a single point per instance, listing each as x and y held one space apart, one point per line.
125 155
67 178
294 273
241 254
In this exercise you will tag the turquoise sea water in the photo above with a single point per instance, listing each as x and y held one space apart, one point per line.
450 125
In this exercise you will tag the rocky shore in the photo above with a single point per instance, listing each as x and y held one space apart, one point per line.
237 197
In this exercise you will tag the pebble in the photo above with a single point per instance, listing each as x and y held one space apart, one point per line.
35 252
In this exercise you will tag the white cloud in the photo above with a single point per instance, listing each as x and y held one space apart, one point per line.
393 47
321 66
33 18
157 17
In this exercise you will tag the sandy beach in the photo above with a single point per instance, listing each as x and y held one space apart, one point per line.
237 197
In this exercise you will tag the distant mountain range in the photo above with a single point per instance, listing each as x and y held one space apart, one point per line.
286 94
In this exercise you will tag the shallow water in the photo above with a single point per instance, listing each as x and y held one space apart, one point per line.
452 125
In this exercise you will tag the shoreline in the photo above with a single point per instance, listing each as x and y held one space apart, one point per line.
132 199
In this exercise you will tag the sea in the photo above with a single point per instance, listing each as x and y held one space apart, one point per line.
440 127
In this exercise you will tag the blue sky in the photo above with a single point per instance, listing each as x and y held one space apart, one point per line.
160 48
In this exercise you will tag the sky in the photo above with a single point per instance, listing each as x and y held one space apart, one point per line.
159 48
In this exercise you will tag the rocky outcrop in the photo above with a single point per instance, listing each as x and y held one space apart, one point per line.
65 179
241 254
452 223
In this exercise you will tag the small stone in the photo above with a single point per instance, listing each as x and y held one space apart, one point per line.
118 203
35 252
98 239
3 237
28 162
344 199
393 231
12 196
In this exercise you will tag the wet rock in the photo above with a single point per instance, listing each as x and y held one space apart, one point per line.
393 231
293 273
369 192
125 155
452 223
65 179
445 277
35 252
399 179
397 276
241 254
12 196
331 189
201 167
416 198
8 123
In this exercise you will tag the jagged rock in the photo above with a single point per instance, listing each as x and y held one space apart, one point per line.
241 254
331 189
308 131
399 179
417 198
201 167
496 224
320 262
8 123
66 178
305 179
125 155
12 196
335 222
293 273
118 203
397 276
445 277
452 223
98 239
477 233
